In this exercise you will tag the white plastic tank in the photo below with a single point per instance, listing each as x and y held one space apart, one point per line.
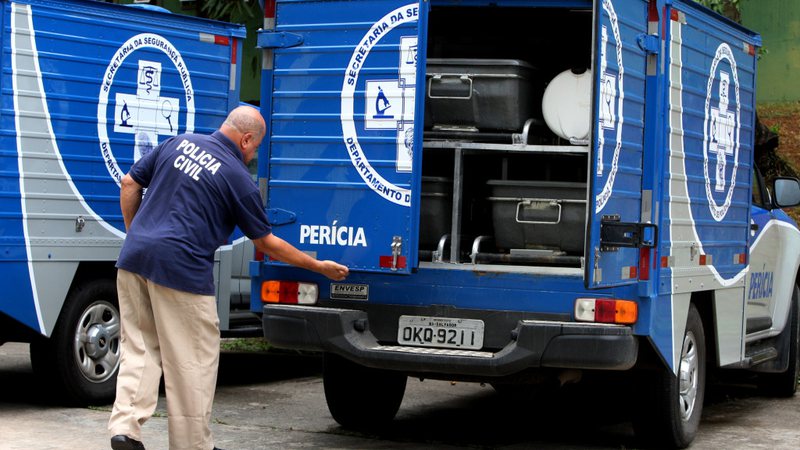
566 105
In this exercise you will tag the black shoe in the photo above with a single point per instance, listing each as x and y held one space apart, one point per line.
122 442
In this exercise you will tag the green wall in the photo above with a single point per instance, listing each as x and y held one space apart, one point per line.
778 21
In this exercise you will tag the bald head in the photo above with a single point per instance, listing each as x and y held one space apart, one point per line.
245 119
246 128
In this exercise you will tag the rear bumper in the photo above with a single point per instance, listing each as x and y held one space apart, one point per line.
538 343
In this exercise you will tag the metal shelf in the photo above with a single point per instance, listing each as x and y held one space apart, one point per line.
509 148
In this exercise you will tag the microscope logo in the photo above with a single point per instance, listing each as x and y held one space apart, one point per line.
144 114
721 132
390 103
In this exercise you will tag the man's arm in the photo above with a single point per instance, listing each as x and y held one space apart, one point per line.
281 250
130 197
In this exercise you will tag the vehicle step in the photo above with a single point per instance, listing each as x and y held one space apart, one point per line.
433 351
762 355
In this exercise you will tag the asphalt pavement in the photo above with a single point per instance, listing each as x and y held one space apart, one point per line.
269 401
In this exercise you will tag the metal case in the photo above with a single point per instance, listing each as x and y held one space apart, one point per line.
538 214
480 94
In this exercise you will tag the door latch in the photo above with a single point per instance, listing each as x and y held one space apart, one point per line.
614 234
397 249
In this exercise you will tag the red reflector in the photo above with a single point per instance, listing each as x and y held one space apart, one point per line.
652 11
605 311
233 51
644 263
221 40
675 15
269 9
386 262
702 260
259 256
742 258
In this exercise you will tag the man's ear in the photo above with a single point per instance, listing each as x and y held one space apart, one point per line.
246 138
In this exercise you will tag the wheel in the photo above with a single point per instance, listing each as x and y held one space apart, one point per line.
81 357
784 384
360 397
669 407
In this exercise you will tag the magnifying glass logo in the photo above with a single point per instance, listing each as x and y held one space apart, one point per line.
166 111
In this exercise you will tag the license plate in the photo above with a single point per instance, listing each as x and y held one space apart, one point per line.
440 332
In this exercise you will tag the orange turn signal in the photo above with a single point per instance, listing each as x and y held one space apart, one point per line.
271 291
627 312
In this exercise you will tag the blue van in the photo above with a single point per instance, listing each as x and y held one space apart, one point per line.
87 89
524 190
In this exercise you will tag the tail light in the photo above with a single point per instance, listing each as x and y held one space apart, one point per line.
606 310
291 292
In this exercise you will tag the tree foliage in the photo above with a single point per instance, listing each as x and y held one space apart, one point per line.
728 8
231 10
228 9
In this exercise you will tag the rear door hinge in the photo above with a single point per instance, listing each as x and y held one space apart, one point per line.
649 43
278 39
277 216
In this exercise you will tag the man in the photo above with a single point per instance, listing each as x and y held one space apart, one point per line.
198 189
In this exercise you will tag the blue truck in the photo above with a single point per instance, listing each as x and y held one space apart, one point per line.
524 191
87 88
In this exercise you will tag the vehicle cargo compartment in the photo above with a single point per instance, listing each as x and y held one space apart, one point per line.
436 210
538 214
480 94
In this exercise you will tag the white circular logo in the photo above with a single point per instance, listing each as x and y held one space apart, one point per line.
145 113
721 132
373 179
612 96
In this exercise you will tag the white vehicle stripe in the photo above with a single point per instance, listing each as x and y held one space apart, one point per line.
68 178
17 8
675 151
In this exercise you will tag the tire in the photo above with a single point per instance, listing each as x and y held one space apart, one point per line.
358 397
81 357
669 407
784 384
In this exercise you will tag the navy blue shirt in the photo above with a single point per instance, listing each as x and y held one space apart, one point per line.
198 189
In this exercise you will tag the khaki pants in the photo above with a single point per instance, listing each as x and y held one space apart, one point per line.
178 332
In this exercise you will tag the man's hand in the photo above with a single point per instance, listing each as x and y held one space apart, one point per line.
281 250
333 270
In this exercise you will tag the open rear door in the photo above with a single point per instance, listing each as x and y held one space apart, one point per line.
343 179
616 223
